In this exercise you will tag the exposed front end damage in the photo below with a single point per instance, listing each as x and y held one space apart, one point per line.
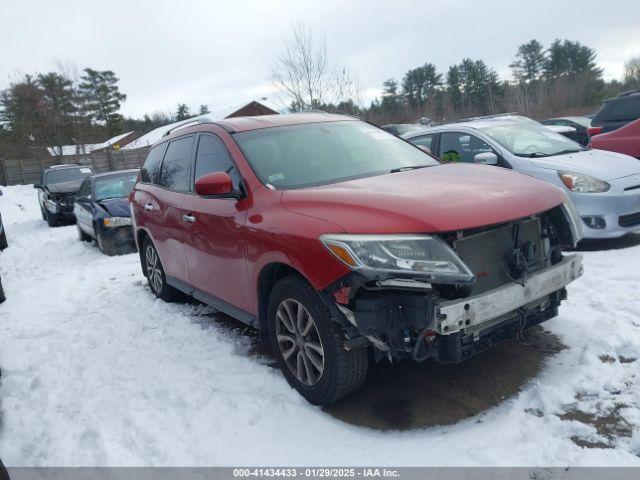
519 280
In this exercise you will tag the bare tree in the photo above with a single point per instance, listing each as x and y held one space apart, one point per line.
346 91
632 73
302 71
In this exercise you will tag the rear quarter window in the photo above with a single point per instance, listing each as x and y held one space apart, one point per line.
151 167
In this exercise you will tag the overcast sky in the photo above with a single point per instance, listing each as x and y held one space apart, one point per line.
220 53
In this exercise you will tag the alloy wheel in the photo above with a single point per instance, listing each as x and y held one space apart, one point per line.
154 269
299 342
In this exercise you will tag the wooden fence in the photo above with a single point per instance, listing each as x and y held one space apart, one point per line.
29 170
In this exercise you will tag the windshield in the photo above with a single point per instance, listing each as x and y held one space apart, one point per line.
66 175
321 153
114 186
527 140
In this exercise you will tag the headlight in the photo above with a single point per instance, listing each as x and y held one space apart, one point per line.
51 205
580 183
421 255
113 222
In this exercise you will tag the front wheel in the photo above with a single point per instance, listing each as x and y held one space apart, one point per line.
309 345
153 270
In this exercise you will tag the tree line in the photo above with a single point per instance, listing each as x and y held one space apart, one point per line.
561 79
57 108
52 109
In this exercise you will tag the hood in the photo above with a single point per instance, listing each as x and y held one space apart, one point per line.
596 163
71 186
116 207
434 199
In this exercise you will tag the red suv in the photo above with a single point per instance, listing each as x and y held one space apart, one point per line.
342 243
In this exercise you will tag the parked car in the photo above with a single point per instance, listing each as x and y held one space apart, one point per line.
616 112
335 239
579 124
403 128
57 191
622 140
102 211
3 234
603 186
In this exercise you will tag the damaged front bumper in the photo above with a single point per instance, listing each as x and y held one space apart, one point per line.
475 311
408 319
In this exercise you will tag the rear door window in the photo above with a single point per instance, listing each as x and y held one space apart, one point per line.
175 173
151 167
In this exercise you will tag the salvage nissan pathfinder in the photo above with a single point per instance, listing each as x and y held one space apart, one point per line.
340 242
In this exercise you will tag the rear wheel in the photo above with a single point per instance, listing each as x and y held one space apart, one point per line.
309 345
153 270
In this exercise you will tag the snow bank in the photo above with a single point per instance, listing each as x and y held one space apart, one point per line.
96 371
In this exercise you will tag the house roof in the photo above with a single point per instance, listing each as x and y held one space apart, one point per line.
85 148
219 114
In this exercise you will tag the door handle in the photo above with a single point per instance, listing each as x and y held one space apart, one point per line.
148 207
189 218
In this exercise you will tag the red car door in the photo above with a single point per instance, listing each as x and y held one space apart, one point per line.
214 239
162 204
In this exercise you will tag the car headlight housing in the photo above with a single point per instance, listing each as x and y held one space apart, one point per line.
581 183
113 222
407 255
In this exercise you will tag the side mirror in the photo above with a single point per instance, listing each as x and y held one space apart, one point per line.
486 158
215 184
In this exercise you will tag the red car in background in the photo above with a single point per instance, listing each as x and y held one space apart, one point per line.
622 140
341 242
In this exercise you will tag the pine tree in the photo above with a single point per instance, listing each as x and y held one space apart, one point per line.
183 112
391 99
102 98
204 109
529 63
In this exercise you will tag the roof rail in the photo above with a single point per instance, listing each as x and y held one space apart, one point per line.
628 92
484 117
195 121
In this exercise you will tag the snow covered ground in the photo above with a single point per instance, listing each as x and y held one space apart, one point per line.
96 371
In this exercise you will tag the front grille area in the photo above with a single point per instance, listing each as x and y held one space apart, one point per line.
630 220
485 253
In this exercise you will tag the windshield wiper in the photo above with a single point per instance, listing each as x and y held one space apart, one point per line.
404 169
535 155
570 150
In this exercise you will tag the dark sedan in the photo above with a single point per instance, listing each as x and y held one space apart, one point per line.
102 211
581 125
57 190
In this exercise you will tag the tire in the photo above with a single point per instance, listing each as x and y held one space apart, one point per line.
3 239
342 372
52 219
153 270
82 236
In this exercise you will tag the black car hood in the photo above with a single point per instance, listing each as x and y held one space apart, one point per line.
116 207
71 186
